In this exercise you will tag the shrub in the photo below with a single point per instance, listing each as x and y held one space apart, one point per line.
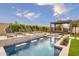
65 41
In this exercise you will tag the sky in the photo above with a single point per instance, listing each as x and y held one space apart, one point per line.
38 13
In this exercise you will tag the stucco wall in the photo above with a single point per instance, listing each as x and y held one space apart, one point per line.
77 30
3 27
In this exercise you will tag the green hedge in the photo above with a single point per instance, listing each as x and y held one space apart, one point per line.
27 28
65 41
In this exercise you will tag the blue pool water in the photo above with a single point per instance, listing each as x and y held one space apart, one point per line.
43 47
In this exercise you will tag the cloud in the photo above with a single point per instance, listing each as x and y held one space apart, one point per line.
19 14
59 9
67 18
27 14
31 15
64 19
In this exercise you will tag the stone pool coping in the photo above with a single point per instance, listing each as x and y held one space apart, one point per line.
65 49
2 52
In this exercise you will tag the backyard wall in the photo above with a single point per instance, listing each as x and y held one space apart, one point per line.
3 27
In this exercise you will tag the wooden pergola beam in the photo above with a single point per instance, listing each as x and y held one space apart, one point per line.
61 22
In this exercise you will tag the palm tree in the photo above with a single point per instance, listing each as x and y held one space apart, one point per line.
74 24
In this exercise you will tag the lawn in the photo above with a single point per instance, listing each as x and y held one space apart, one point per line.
74 48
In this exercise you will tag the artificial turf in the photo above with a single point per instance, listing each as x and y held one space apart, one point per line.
74 48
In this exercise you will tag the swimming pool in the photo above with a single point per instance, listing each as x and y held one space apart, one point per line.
42 47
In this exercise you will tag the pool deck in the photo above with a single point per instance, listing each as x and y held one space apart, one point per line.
2 52
15 40
58 43
65 49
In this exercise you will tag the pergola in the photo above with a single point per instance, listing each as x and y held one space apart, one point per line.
53 29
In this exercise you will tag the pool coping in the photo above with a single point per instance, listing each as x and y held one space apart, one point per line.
2 52
65 49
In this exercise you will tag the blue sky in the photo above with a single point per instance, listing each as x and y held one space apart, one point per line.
38 13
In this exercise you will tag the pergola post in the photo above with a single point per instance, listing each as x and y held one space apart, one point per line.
70 29
62 28
50 28
54 27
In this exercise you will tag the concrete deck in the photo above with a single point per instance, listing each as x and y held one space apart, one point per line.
65 49
15 40
58 43
10 41
3 37
2 52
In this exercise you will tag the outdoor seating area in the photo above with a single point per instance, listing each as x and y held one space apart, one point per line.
72 31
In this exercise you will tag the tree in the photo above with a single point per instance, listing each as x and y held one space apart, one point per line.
74 24
15 27
28 28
